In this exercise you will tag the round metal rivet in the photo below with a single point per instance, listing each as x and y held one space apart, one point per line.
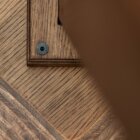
42 48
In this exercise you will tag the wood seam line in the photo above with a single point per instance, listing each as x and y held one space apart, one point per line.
36 114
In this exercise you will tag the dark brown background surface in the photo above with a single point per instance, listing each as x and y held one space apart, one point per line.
107 35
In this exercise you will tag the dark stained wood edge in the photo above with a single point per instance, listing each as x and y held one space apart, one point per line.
36 114
54 63
45 62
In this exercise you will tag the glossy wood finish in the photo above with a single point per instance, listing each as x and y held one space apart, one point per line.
65 97
43 27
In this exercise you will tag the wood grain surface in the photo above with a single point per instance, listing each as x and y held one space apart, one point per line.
65 97
18 120
43 27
